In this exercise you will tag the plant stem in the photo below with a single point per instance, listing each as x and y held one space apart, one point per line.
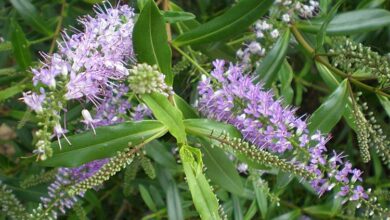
317 57
165 5
58 28
191 60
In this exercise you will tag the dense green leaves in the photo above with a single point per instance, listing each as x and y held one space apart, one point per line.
20 45
107 141
167 114
30 15
351 22
202 195
267 72
150 40
330 112
234 21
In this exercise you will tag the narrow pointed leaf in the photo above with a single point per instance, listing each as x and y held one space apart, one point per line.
351 22
187 110
203 197
107 141
333 82
286 76
330 112
268 70
176 16
164 111
221 170
20 45
150 40
235 20
174 204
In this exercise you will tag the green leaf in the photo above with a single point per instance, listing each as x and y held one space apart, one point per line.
205 127
233 21
174 204
10 92
176 16
221 170
20 45
251 212
147 198
358 21
328 18
330 112
5 46
187 110
203 197
237 209
216 50
160 154
150 40
333 82
141 4
285 75
270 65
170 116
30 16
107 141
261 199
385 103
289 215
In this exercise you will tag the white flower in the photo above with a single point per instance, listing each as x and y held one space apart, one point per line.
275 33
286 18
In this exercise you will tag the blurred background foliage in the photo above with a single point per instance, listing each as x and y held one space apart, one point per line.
30 26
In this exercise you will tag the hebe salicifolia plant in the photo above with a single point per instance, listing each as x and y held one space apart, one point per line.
106 104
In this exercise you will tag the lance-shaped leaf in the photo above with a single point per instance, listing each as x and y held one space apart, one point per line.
106 143
322 32
176 16
330 112
20 45
285 75
385 103
270 66
233 21
150 40
205 127
333 82
187 110
30 15
170 116
352 22
221 170
203 196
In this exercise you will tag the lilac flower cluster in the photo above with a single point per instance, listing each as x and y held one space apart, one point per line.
57 198
114 106
265 122
90 59
87 65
